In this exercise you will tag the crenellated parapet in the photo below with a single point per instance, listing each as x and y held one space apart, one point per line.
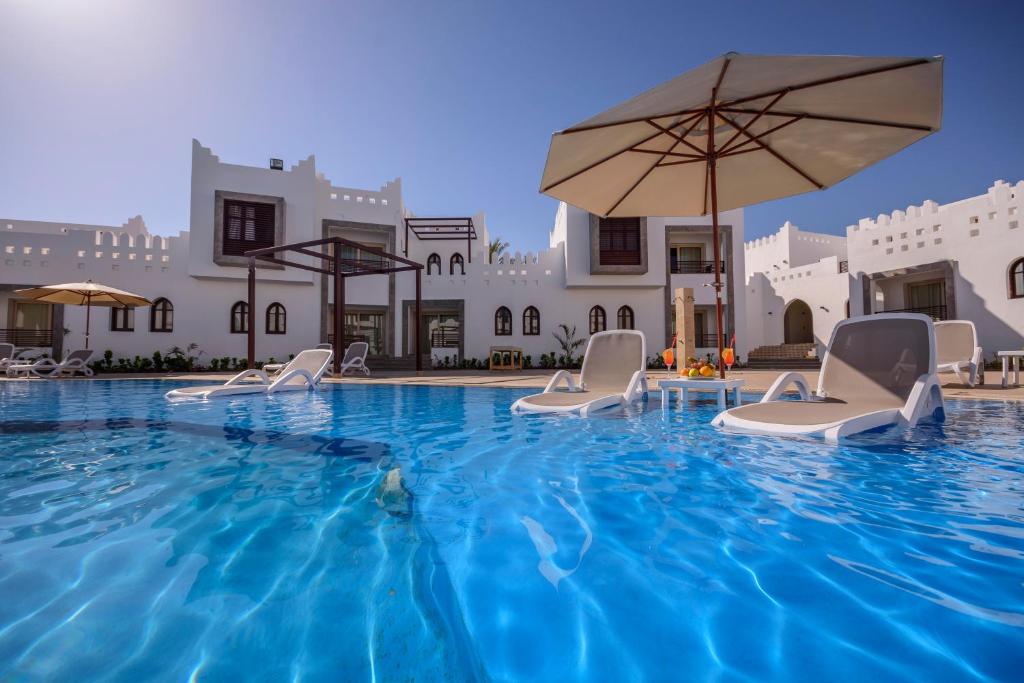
31 255
932 231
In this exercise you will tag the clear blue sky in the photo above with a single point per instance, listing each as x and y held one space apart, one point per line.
99 100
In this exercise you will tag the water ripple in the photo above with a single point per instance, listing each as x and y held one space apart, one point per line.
386 533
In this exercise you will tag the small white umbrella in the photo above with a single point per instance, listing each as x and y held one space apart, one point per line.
744 129
86 294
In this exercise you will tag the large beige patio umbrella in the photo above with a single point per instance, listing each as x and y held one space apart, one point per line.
744 129
86 294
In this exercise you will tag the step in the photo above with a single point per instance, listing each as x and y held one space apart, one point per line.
783 364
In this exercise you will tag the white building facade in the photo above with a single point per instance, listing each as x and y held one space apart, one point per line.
963 260
596 274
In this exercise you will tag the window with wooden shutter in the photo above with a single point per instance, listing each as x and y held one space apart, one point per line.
620 242
247 225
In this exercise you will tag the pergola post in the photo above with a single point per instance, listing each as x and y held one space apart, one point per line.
339 312
330 265
251 314
419 355
469 240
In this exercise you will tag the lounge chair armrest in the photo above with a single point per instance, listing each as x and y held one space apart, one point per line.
558 378
782 383
637 385
251 372
289 376
924 399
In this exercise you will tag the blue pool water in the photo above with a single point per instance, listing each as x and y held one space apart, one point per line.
253 539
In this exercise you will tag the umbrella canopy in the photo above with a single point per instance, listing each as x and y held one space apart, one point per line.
83 294
744 129
783 125
86 294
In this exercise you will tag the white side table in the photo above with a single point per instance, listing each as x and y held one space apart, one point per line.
1007 356
687 384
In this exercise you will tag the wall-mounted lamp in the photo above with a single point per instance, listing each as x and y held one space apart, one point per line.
277 164
823 308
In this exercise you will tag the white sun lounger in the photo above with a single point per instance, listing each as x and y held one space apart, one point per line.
878 370
274 368
614 372
302 373
355 358
73 363
958 352
6 355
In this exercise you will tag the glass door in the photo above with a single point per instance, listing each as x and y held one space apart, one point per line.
33 324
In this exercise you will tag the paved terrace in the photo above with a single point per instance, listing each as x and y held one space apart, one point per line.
757 381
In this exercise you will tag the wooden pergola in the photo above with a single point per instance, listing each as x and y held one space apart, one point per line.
328 257
429 228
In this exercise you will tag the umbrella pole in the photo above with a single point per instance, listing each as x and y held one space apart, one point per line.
88 308
713 183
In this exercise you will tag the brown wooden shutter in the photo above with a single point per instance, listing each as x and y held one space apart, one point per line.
620 242
247 225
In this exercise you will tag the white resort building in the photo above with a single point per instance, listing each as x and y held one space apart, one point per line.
784 292
963 260
596 274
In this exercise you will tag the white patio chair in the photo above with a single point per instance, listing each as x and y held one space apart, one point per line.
878 370
47 368
302 373
957 351
614 372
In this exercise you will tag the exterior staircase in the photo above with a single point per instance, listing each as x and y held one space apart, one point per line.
784 357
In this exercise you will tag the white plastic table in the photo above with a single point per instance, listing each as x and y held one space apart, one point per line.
1006 356
687 384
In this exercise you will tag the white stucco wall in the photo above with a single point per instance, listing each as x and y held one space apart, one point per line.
982 235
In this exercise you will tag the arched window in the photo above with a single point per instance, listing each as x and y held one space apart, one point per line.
1017 279
276 319
433 264
597 320
625 318
457 261
239 317
502 322
161 316
531 320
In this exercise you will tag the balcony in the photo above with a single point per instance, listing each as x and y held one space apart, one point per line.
694 267
934 312
26 337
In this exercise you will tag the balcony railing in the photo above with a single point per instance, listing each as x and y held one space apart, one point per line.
844 266
694 267
26 337
934 312
706 340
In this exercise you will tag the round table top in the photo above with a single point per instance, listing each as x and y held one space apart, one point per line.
1010 353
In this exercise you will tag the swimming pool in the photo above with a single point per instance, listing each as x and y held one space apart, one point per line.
255 539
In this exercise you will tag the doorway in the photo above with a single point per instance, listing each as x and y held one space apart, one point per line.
798 325
32 323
